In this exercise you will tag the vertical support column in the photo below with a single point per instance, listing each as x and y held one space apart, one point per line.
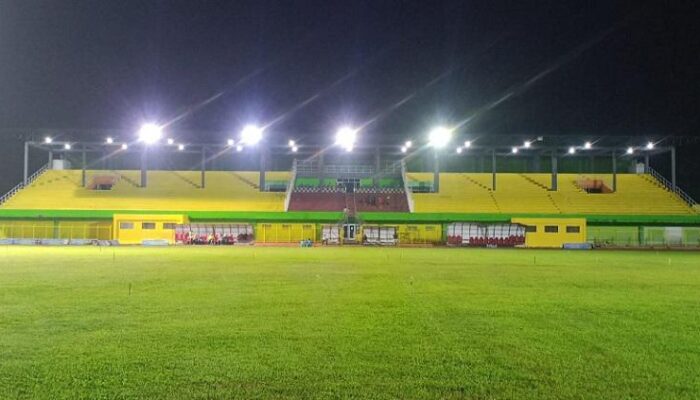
50 159
83 167
26 162
673 168
320 166
203 168
377 167
646 163
436 171
493 170
263 160
144 166
614 171
555 179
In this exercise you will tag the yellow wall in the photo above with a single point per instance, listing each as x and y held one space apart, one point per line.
136 235
541 238
284 233
101 230
414 233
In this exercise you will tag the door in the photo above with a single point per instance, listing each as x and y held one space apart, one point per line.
349 231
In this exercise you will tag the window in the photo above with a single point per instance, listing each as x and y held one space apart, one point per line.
531 228
126 225
148 225
573 229
169 225
551 229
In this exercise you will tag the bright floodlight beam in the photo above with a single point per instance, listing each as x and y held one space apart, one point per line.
125 146
587 145
48 140
630 150
171 141
291 143
527 144
230 142
110 140
251 135
459 150
404 149
345 137
650 146
181 147
572 150
514 150
439 137
239 148
294 149
150 133
408 144
67 146
468 144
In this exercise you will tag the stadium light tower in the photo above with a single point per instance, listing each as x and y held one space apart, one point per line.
345 137
251 135
439 137
150 133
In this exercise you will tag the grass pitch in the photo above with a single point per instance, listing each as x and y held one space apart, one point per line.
348 323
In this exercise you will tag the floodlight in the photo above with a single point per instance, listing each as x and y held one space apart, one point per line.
67 146
110 140
294 149
125 146
459 150
48 140
181 147
150 133
587 145
404 149
230 142
239 148
291 143
630 150
408 144
439 137
468 144
527 144
171 141
514 150
650 146
572 150
345 137
251 134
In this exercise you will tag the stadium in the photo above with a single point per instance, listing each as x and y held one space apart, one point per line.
497 192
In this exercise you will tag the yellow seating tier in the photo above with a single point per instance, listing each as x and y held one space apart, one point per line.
166 190
528 193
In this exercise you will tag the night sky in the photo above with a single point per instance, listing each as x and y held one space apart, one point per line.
607 68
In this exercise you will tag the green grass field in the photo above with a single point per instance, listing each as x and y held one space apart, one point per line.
105 323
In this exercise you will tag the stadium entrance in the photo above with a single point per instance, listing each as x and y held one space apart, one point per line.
349 231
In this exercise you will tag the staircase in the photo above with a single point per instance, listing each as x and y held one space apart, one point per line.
7 196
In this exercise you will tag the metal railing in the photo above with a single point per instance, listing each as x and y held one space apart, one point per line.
290 186
22 185
409 194
669 186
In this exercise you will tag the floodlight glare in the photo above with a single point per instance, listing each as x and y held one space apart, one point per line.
48 140
251 134
468 144
294 149
345 137
230 142
630 150
408 144
181 147
514 150
572 150
125 146
439 137
291 143
67 146
587 145
527 144
239 148
459 150
404 149
110 140
171 141
150 133
650 146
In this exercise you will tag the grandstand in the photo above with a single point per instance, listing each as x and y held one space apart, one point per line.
355 202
